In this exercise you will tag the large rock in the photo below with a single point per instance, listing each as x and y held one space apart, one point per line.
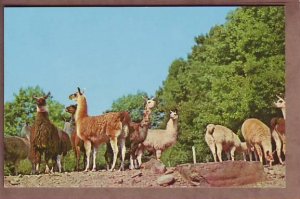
155 166
229 173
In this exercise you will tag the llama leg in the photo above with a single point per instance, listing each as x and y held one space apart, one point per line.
250 155
16 166
87 146
114 146
219 151
259 152
95 149
283 144
158 154
133 156
255 155
123 151
139 157
228 155
232 152
212 148
47 170
244 156
131 166
278 145
106 155
59 163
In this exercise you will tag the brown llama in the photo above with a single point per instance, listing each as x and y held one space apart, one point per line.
97 130
137 134
77 143
278 129
44 137
15 149
64 147
258 135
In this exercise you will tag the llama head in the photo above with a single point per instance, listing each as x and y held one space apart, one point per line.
149 103
71 109
210 128
77 96
41 102
280 102
174 115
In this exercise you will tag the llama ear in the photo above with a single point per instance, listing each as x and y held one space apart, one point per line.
34 97
45 97
145 98
79 91
279 97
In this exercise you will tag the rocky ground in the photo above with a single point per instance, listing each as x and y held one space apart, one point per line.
153 176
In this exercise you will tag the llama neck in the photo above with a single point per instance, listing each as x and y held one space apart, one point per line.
283 112
81 111
40 115
172 126
146 117
42 109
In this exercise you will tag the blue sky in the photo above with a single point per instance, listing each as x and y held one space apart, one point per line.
111 52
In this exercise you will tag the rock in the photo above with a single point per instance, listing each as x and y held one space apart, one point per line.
165 180
222 174
170 171
155 166
135 181
272 172
120 181
14 181
139 173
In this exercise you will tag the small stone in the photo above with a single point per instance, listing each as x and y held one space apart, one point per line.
169 171
14 181
120 181
272 172
165 180
135 181
139 173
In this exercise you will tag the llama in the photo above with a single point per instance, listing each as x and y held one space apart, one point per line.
64 147
258 135
220 138
159 140
44 137
278 129
281 104
26 131
137 133
245 150
77 143
15 150
101 129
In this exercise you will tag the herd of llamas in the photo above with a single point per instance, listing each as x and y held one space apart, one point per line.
84 134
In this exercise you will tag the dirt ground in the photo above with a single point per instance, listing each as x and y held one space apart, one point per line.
128 178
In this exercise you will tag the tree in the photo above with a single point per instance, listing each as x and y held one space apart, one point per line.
234 72
22 109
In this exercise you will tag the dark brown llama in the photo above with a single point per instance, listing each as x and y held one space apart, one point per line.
44 138
137 134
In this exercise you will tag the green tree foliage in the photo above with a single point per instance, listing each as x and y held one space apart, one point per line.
22 109
233 73
134 103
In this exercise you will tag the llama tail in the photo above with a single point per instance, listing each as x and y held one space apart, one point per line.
125 119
